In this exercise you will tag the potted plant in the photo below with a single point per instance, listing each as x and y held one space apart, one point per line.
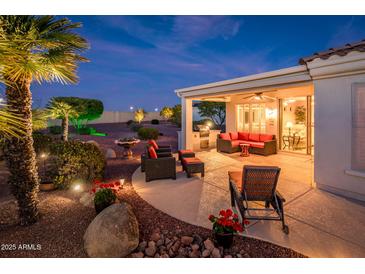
225 226
104 198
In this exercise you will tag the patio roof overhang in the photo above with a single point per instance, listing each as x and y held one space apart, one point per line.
268 81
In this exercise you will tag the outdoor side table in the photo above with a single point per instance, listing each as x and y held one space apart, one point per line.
245 150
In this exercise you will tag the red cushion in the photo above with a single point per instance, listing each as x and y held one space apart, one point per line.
225 136
152 152
254 144
234 135
236 143
254 137
153 143
184 151
192 160
266 137
243 135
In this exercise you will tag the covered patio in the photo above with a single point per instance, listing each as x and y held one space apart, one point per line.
321 224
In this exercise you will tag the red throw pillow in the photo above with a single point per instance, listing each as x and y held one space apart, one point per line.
152 152
243 136
234 135
153 143
266 137
254 137
225 136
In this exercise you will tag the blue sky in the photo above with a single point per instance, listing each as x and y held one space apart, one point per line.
140 60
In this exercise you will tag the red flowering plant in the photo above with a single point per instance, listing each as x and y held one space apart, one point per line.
227 222
115 187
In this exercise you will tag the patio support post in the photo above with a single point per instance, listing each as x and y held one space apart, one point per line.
186 123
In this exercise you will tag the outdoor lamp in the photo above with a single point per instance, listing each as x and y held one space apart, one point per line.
289 125
121 181
156 109
209 124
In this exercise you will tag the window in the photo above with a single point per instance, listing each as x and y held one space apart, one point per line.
251 118
358 127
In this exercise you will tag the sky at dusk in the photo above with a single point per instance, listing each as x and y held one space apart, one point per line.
140 60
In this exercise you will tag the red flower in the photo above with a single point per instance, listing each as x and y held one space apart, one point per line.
211 217
235 216
229 213
117 183
222 213
246 222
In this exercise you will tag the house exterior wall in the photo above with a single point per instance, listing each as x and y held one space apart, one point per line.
333 127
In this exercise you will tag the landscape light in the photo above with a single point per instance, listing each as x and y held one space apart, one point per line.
77 187
131 108
1 100
121 181
43 155
156 109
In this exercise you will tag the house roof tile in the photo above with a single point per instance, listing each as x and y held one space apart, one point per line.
340 51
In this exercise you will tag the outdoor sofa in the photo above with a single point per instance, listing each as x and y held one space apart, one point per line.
263 144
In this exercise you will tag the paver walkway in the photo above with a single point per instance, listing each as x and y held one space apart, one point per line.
321 224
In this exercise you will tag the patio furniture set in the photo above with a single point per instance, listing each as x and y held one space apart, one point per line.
263 144
158 162
247 187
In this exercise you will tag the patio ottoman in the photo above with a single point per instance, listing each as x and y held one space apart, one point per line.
185 153
193 165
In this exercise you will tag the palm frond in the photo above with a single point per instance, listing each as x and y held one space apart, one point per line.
11 125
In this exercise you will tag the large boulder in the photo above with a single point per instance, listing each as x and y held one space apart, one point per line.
113 233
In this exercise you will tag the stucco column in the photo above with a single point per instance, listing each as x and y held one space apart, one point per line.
186 123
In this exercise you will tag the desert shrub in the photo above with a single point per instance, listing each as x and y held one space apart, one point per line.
103 198
130 122
176 117
136 127
55 129
42 142
76 160
155 122
146 133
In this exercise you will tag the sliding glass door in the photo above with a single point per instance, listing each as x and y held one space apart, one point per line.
251 118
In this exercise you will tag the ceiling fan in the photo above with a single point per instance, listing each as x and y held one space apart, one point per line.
259 97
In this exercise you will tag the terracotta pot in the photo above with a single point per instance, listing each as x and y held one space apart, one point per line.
46 186
224 239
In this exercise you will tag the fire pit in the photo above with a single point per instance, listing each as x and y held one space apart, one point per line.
127 144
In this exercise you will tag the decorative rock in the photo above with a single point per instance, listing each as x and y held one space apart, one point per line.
182 252
228 256
110 154
171 253
216 253
239 255
94 143
165 256
150 251
195 247
113 233
167 241
138 255
142 246
87 200
209 244
197 239
206 253
175 246
159 242
155 236
151 244
194 254
186 240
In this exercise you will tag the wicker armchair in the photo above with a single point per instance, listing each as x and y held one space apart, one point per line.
144 156
164 167
257 183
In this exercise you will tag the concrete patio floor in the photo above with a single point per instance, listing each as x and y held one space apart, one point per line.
321 224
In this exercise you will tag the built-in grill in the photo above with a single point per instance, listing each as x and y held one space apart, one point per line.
204 132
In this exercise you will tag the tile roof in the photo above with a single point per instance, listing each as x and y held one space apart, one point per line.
341 51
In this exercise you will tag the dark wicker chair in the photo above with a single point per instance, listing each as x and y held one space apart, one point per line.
164 167
162 149
144 156
257 184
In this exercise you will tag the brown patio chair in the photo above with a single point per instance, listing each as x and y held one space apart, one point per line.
257 184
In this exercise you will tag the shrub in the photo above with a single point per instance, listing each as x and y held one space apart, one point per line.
155 122
148 133
76 160
176 117
136 127
104 198
130 122
55 129
42 142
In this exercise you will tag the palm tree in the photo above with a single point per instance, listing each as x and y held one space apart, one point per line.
33 48
62 110
10 124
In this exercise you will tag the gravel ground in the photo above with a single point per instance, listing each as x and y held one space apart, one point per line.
64 219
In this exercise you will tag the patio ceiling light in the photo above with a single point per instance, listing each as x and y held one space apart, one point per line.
217 99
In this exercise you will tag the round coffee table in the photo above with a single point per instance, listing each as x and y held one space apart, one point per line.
245 150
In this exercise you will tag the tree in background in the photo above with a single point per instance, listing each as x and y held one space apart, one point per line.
87 110
213 110
62 110
33 48
139 115
40 119
176 117
166 112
